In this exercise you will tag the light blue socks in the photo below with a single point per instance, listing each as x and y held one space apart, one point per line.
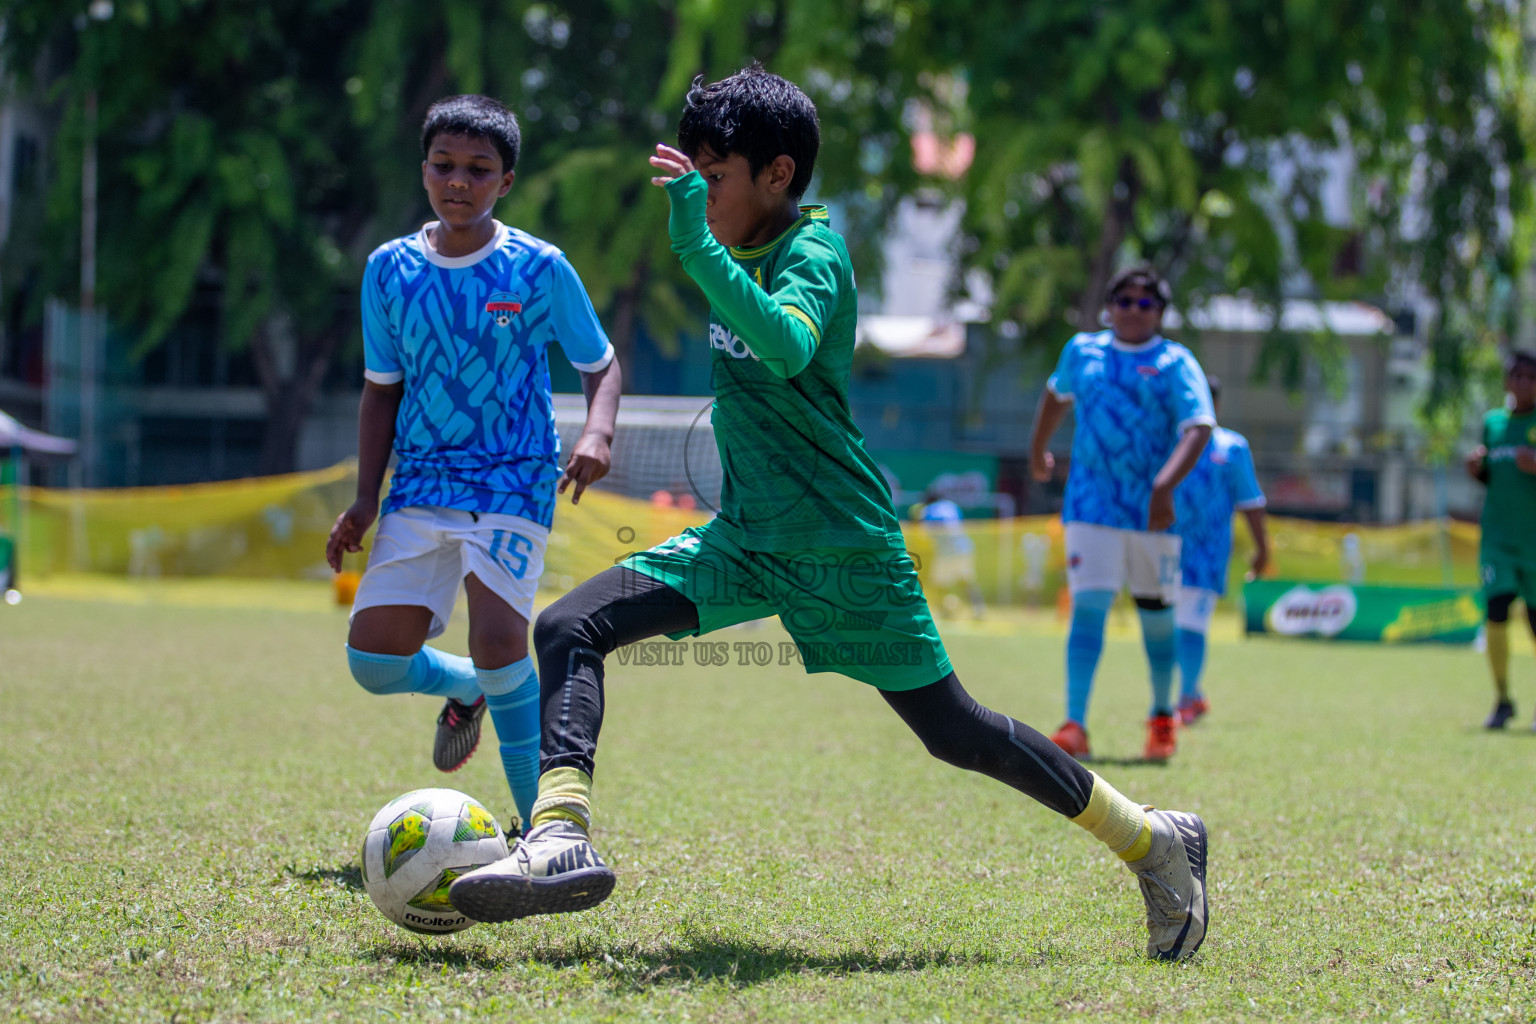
1191 663
1085 643
1157 632
428 671
512 697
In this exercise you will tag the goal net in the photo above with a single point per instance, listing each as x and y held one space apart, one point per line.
661 443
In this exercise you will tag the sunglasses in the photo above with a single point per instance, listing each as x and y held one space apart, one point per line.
1143 303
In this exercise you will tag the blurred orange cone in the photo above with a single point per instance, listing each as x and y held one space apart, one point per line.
344 585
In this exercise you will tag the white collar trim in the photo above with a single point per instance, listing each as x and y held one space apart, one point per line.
437 259
1146 346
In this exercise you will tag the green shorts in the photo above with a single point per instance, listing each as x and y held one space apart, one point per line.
1508 569
857 611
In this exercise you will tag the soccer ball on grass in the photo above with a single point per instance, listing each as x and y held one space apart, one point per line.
417 845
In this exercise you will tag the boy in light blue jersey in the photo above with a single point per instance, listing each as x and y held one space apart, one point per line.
1143 416
457 322
1223 481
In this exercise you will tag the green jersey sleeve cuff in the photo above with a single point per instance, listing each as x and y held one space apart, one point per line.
686 225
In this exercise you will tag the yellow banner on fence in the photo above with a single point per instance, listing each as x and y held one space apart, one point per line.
277 527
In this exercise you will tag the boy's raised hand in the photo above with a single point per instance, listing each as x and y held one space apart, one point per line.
589 463
671 162
347 533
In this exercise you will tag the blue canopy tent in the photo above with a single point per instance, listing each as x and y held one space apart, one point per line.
16 444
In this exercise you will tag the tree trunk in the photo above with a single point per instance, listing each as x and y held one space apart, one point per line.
626 314
1112 233
290 395
286 413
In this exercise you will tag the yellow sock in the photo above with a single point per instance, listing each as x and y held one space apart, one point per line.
1116 821
564 794
1498 656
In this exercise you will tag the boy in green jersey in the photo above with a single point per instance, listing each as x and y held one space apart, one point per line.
805 531
1506 463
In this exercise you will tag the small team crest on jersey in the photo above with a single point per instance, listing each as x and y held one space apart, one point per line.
1147 370
1075 560
503 306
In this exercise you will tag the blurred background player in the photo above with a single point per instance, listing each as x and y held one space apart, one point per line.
457 320
1143 416
806 530
954 553
1506 463
1222 481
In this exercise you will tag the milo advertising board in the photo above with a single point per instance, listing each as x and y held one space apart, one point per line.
1345 611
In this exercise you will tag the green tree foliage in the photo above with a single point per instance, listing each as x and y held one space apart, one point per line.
1194 135
267 146
225 158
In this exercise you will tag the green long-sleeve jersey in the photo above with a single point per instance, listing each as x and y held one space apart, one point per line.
781 334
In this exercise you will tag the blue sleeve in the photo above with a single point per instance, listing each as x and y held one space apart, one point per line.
1191 395
1063 381
572 320
1242 480
381 339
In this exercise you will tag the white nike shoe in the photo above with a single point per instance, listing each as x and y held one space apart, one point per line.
551 870
1172 879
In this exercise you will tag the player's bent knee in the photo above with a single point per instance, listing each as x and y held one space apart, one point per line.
379 673
562 624
945 749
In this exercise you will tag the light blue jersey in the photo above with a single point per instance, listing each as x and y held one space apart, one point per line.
1132 405
468 336
1221 482
943 518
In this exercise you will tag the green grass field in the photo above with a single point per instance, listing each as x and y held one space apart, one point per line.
188 770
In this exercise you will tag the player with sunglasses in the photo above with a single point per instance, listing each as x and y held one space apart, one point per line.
1143 416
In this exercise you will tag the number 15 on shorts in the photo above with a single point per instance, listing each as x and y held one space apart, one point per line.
510 551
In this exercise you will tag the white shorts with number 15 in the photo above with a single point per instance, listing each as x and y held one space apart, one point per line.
421 554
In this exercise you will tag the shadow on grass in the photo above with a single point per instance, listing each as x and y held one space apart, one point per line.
423 953
738 964
1519 731
745 963
348 876
1126 762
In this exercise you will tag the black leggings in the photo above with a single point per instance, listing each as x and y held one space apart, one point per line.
621 606
1498 610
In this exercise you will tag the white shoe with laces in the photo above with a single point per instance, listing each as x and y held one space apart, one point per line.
551 870
1172 879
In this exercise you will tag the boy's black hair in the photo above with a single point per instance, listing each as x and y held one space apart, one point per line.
756 114
1519 357
1215 383
1143 275
478 116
